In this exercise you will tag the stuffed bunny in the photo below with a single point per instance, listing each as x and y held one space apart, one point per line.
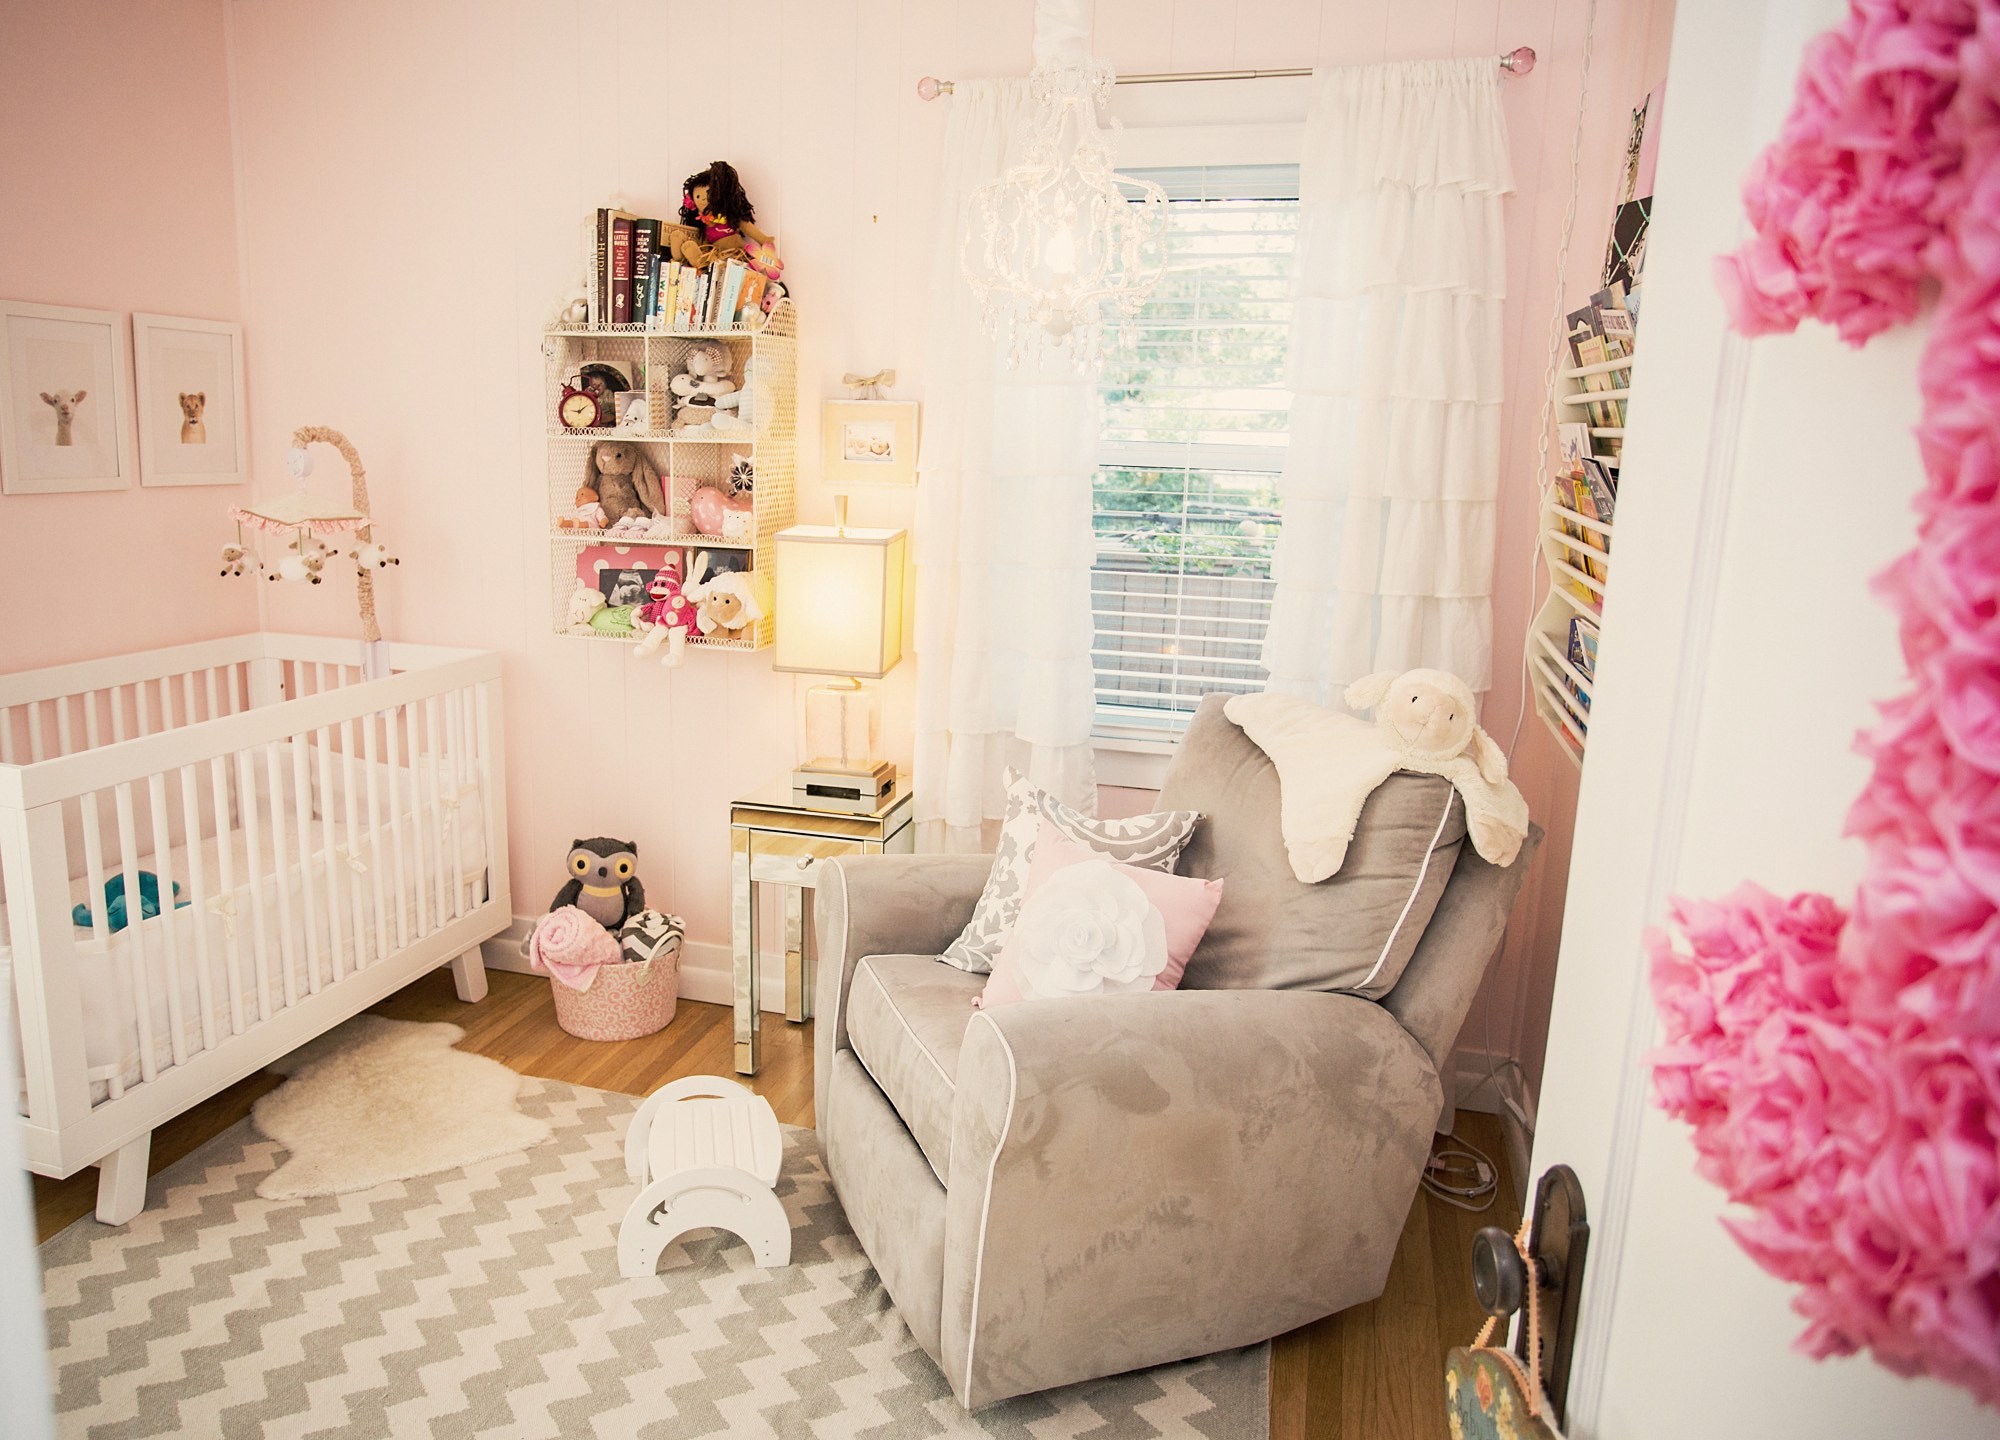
625 481
1329 763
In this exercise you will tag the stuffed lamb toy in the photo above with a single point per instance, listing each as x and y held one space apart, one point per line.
1329 763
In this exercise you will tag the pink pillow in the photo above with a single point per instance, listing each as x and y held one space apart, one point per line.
1090 926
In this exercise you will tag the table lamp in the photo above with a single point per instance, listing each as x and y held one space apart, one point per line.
839 609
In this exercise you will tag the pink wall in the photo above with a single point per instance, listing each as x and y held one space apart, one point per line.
415 181
117 192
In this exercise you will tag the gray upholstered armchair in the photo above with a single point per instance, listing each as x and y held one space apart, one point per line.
1061 1189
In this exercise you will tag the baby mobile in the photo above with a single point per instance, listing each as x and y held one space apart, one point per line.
302 517
1841 1070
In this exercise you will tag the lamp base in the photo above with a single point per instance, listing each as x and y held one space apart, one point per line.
860 788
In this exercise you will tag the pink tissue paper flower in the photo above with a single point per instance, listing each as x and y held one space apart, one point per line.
1841 1072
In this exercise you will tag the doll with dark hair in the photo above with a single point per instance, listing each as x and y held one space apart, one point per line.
717 219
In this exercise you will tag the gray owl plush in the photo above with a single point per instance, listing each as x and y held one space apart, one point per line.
603 881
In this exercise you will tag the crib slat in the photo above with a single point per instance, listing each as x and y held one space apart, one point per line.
471 794
208 691
163 924
204 982
281 873
253 842
370 762
93 868
188 699
143 708
392 732
225 864
65 741
238 673
455 851
37 748
434 768
302 808
134 933
351 802
336 865
320 686
91 734
118 726
419 877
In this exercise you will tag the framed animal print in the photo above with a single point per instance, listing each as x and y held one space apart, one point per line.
65 400
192 425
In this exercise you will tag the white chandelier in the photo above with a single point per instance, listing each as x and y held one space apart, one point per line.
1055 239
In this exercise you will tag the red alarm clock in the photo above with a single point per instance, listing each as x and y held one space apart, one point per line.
576 407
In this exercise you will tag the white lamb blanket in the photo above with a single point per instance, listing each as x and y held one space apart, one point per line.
1330 763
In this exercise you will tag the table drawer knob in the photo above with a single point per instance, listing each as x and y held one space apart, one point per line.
806 862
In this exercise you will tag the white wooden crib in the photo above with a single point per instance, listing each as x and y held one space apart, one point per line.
332 838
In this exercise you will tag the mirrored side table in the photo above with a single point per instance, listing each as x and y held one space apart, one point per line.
775 840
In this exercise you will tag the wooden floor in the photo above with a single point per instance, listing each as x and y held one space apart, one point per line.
1375 1371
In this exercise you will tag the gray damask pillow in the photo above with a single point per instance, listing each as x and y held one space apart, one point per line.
1154 841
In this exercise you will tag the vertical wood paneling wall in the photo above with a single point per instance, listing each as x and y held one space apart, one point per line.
414 182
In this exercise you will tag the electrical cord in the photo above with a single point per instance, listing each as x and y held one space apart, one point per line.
1459 1174
1556 313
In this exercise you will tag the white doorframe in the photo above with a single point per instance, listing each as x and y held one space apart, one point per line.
1729 79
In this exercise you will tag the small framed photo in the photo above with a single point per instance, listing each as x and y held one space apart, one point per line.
868 442
65 400
192 425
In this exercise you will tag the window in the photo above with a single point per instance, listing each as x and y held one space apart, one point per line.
1186 493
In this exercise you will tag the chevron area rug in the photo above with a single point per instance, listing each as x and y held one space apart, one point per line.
486 1302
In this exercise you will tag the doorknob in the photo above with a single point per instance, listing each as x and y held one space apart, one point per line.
1557 1242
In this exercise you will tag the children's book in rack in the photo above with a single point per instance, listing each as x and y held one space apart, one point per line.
1578 517
667 451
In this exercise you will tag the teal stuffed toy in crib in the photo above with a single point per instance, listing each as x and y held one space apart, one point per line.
114 902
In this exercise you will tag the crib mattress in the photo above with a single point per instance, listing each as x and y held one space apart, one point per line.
112 969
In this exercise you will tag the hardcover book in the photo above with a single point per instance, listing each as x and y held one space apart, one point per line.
621 269
645 239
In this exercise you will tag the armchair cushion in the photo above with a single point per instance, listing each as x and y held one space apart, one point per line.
906 1019
1353 932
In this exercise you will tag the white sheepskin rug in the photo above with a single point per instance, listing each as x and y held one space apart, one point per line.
377 1100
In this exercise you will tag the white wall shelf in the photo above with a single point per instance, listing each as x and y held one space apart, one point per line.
685 463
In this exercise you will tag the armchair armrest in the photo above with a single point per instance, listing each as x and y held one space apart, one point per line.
882 905
1141 1177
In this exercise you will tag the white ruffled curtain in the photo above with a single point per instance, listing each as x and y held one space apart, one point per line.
1385 560
1003 541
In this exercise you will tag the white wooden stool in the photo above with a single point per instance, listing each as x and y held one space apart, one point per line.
706 1152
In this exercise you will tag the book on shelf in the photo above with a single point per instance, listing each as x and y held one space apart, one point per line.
1583 646
599 269
621 269
1602 483
645 240
753 296
1573 438
728 293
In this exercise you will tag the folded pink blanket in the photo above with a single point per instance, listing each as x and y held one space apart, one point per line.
570 946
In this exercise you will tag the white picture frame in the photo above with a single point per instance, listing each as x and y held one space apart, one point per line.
61 352
868 443
193 425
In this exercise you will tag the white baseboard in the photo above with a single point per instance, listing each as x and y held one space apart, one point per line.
705 967
1491 1085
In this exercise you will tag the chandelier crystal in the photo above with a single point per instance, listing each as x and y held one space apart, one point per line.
1059 237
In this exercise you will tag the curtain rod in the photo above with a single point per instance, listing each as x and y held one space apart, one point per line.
1515 62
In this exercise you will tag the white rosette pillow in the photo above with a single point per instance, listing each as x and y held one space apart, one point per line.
1090 926
1088 930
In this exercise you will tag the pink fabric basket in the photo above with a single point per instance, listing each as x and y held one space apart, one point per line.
625 1002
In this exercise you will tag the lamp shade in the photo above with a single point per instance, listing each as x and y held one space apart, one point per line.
839 601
